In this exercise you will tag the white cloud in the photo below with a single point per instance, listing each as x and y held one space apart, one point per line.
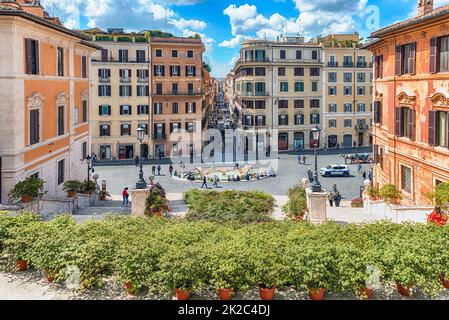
192 24
234 42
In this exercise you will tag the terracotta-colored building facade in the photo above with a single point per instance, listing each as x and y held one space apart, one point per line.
44 94
411 103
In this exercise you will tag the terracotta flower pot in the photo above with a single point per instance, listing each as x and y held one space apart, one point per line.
50 278
182 294
368 292
394 201
129 287
71 194
317 294
299 218
225 294
26 198
157 214
444 281
21 265
267 294
404 291
373 198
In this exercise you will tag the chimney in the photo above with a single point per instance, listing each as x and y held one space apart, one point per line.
424 7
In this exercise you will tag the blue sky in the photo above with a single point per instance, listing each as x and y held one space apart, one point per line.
224 24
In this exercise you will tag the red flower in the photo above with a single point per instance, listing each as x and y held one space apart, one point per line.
437 217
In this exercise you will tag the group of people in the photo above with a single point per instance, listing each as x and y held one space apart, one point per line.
334 196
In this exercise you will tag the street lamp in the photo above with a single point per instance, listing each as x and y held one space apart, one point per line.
141 184
316 186
89 167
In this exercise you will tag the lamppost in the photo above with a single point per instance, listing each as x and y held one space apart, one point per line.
316 186
89 167
141 184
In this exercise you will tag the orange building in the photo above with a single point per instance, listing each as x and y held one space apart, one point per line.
411 102
44 94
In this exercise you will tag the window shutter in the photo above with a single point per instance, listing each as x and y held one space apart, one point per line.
130 90
411 124
163 129
171 127
99 73
108 90
376 111
381 64
109 110
187 107
121 91
194 107
37 57
433 55
398 67
412 59
147 90
109 73
398 122
432 128
376 154
28 55
121 110
100 112
381 157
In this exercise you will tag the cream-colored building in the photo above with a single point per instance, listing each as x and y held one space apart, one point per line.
347 86
120 94
278 86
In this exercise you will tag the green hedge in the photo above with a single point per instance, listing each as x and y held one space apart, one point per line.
229 205
163 254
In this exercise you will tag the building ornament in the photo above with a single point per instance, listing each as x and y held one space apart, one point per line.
404 99
35 101
61 99
439 100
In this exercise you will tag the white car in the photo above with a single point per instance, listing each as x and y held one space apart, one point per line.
335 170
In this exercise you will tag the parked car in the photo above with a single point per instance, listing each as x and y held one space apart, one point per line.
335 170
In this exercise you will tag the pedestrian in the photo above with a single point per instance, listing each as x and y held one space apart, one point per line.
334 188
215 181
303 159
364 175
182 165
325 147
299 158
159 169
331 198
359 167
153 170
337 199
370 176
136 160
170 169
204 183
160 155
125 196
236 166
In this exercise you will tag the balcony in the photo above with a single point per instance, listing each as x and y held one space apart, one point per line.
332 64
159 136
142 80
349 64
117 60
125 80
189 93
364 65
104 80
361 128
253 60
254 94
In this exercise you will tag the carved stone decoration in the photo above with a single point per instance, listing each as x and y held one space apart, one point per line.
35 101
85 95
378 96
404 99
61 99
444 28
440 100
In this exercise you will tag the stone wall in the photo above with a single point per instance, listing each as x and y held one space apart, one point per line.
396 213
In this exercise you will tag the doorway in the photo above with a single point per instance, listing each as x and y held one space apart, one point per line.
144 151
347 140
126 152
360 139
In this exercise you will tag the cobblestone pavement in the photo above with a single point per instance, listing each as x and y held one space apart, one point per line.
289 174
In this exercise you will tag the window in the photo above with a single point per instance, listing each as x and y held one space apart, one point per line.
332 76
332 123
158 53
361 107
175 71
248 120
190 54
378 68
84 67
260 71
282 54
125 129
105 130
125 91
378 155
76 115
123 55
332 91
174 53
190 107
32 56
104 110
175 127
347 61
439 54
60 62
104 90
34 126
159 70
84 111
348 107
143 91
299 119
284 86
348 123
190 71
61 171
190 127
260 104
314 86
405 59
283 104
439 128
142 75
248 104
61 122
158 108
314 118
347 77
361 123
298 54
190 89
406 179
260 121
283 120
361 91
143 109
299 86
260 88
314 103
125 75
332 108
377 112
125 110
159 88
84 150
348 90
144 126
332 62
281 72
104 55
299 104
140 56
405 122
314 55
299 72
104 75
314 72
175 108
174 88
361 77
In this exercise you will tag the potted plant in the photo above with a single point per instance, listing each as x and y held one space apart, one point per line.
156 205
357 203
27 189
296 207
88 187
440 197
374 193
391 194
72 187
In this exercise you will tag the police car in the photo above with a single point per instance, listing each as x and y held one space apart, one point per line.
335 170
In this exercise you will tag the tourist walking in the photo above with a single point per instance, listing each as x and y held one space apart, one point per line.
359 168
182 165
125 196
364 175
204 183
153 170
215 181
159 169
236 166
136 160
170 169
331 198
337 199
303 159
